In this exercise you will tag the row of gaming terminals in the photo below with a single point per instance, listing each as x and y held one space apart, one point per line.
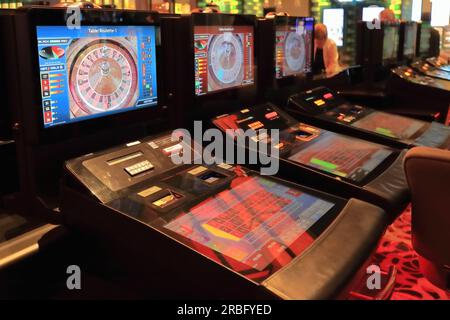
402 43
399 58
91 110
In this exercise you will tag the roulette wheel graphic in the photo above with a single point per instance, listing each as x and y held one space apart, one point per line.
225 56
294 50
102 75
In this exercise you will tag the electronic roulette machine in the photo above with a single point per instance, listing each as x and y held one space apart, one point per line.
74 78
343 164
380 56
217 230
378 177
267 116
327 109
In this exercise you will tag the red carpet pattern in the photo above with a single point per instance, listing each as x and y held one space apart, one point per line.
396 249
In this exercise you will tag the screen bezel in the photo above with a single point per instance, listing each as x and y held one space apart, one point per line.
107 17
219 19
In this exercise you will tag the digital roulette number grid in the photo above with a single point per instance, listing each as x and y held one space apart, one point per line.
95 71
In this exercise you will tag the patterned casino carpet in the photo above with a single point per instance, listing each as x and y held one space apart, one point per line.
395 249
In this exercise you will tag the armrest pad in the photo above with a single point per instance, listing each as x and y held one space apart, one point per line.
428 174
426 153
23 246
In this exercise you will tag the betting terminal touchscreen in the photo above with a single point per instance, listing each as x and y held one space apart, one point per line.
322 106
350 159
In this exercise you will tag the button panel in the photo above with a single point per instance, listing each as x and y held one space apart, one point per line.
139 168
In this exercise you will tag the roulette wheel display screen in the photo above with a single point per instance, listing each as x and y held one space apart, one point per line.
293 45
95 71
224 57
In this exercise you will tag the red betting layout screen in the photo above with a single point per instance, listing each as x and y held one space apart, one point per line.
345 157
254 222
390 125
224 57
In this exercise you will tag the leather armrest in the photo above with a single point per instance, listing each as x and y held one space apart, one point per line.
23 246
428 175
329 264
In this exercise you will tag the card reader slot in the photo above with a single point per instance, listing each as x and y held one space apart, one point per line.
122 159
211 177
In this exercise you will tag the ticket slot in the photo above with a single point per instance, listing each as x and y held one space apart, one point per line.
165 198
211 177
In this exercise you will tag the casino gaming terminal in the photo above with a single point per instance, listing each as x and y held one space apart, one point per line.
137 141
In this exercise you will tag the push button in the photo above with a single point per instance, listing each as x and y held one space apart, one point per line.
139 168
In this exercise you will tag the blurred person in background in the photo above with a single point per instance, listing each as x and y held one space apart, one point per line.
325 52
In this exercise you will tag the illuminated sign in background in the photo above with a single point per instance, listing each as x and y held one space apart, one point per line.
440 13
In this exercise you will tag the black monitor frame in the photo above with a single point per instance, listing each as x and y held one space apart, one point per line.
7 74
31 115
403 27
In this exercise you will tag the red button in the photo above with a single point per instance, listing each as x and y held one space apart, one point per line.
271 115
